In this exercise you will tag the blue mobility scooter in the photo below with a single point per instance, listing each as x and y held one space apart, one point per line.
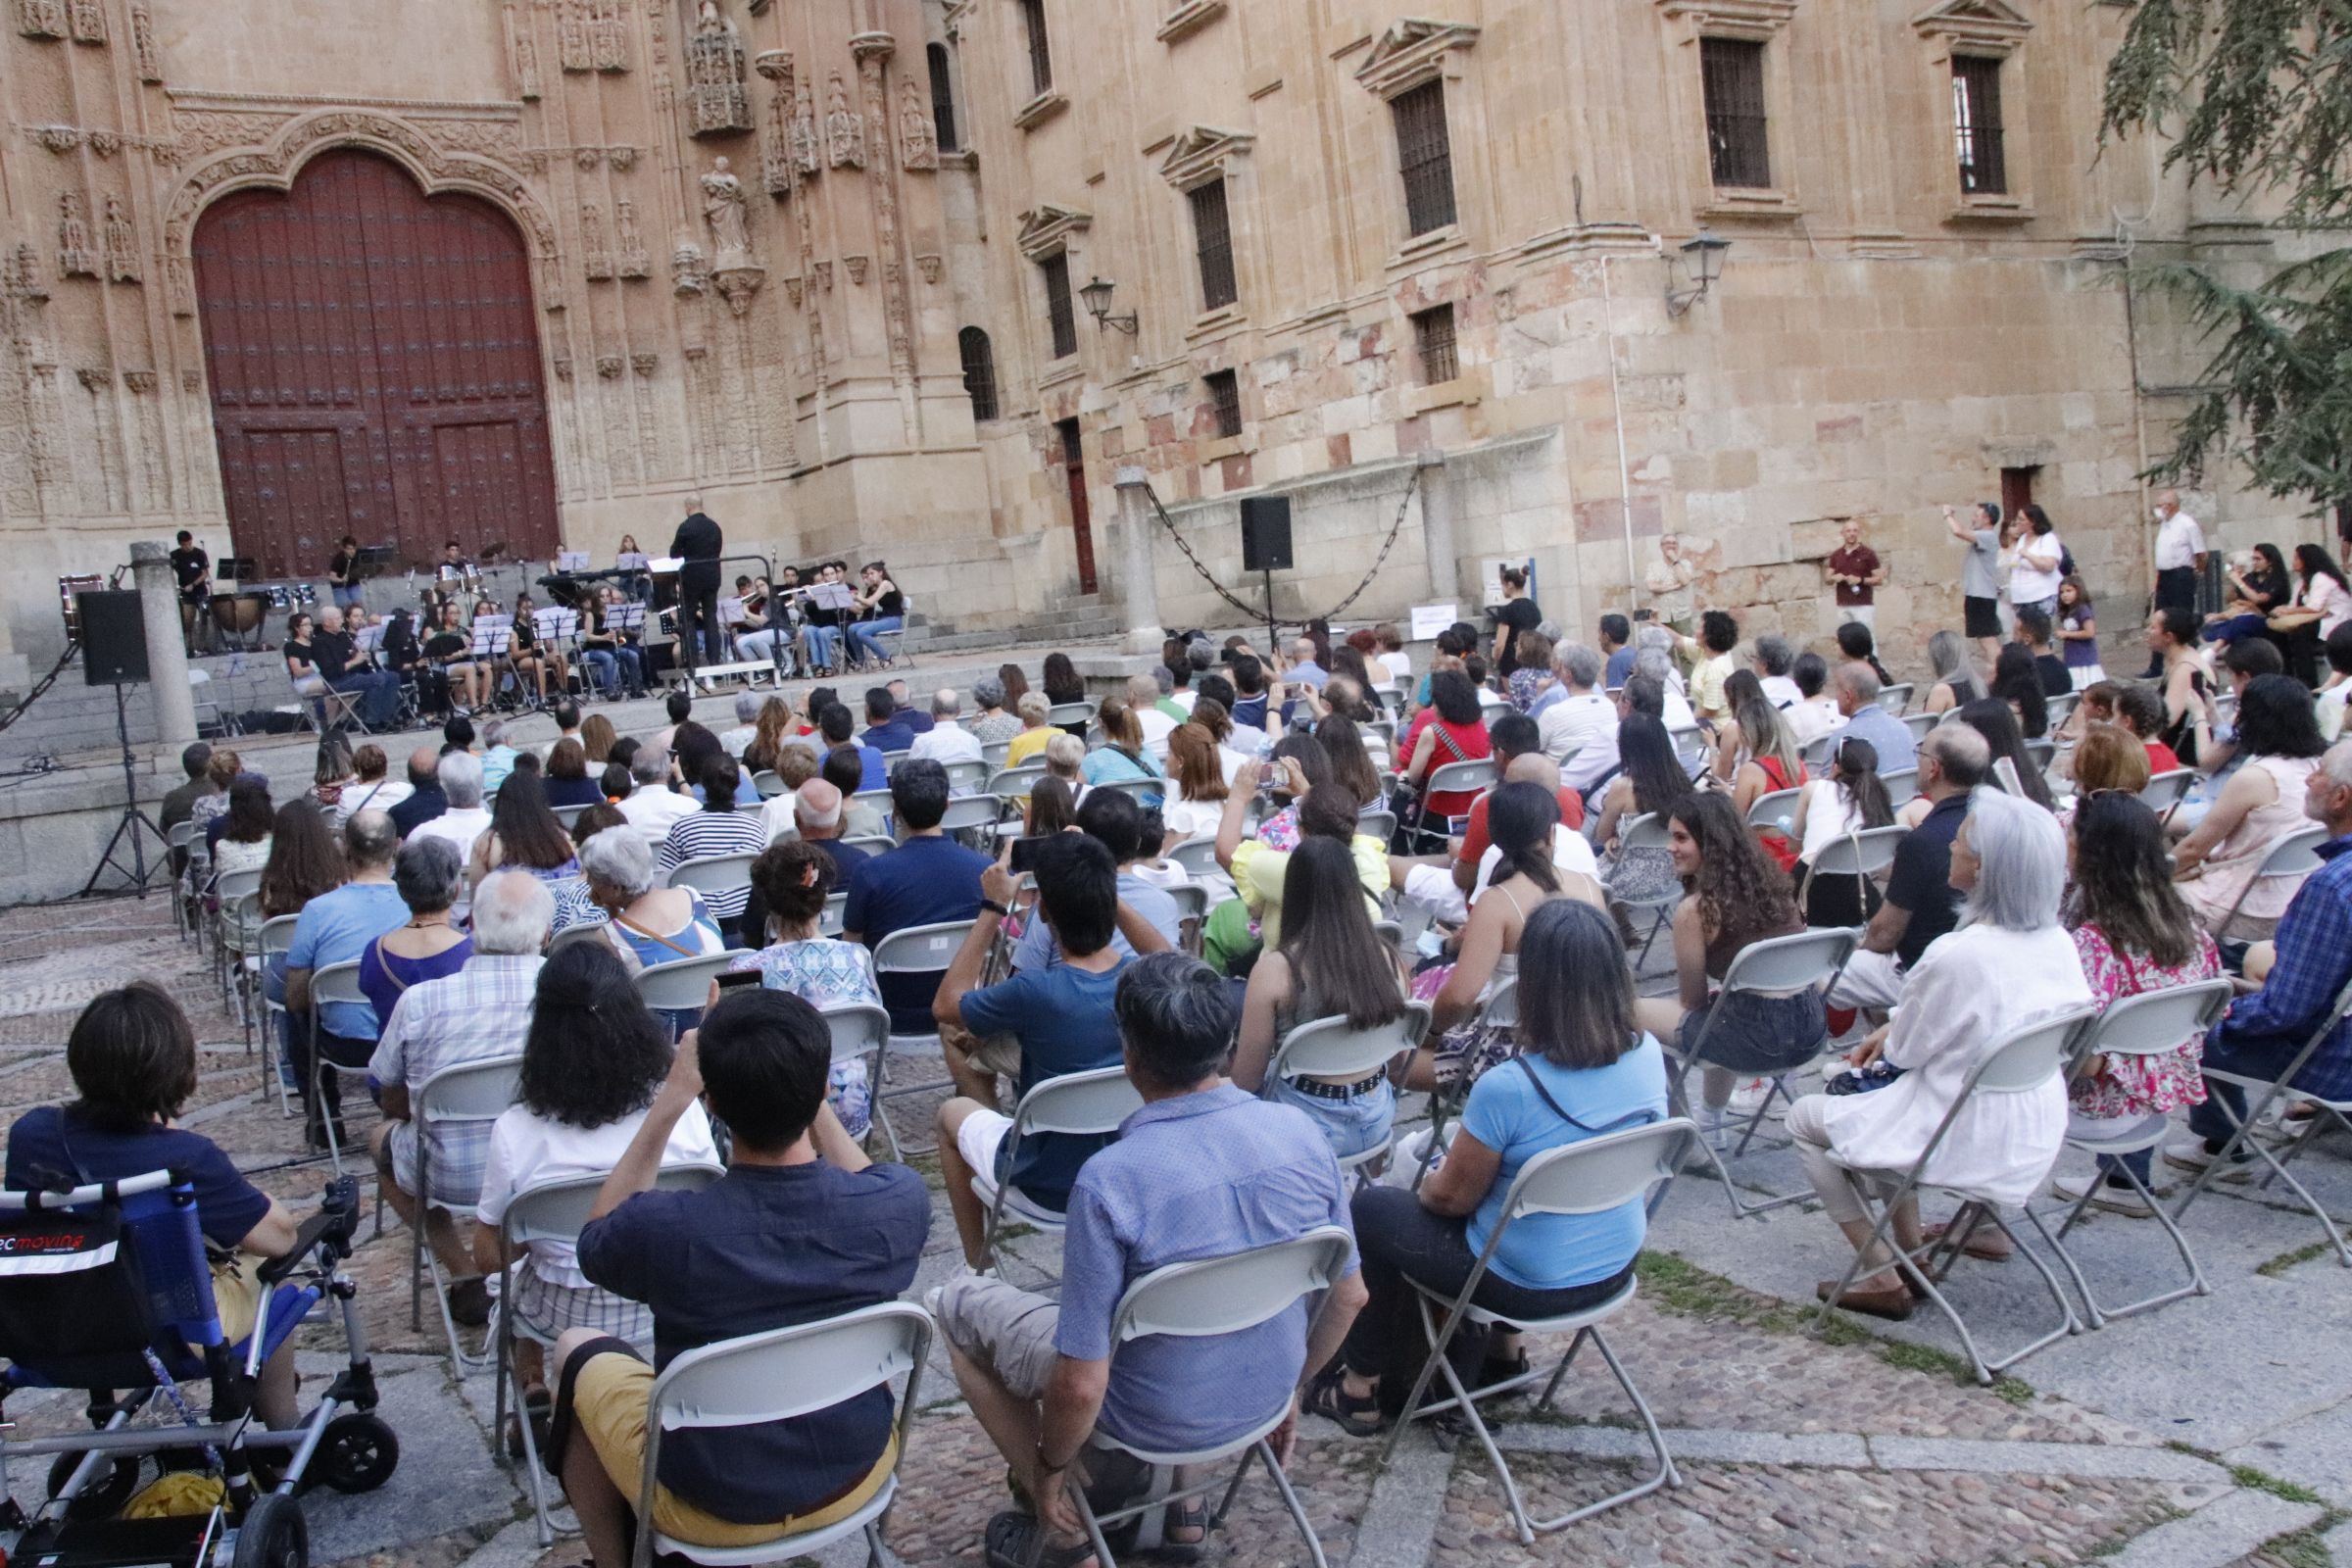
106 1287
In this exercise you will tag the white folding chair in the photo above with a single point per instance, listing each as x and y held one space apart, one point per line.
1140 790
1591 1176
1903 786
1491 706
861 1033
2042 752
1896 697
970 815
235 928
332 983
2024 1061
1690 746
551 1212
871 842
595 931
1062 713
1816 753
1778 967
470 1094
994 753
879 800
1498 1009
2165 790
1204 1299
275 938
1331 1048
2295 853
683 985
1077 1105
714 874
2155 1023
181 835
831 922
892 759
767 783
1380 825
1920 723
1451 778
1776 809
1198 856
920 950
1012 785
774 1377
1191 912
2327 1113
1646 832
1863 855
968 778
2062 707
569 815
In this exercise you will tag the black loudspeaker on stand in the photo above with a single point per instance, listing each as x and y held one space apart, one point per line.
1266 547
114 653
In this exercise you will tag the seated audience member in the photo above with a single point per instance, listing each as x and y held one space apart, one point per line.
1350 752
1114 821
592 1062
1616 646
679 705
1996 720
1674 703
131 1055
1332 964
1709 658
1772 660
1579 732
2016 682
1531 672
210 802
1202 1170
1814 714
738 739
1452 729
1582 1056
567 780
2172 638
814 813
425 801
2108 758
306 861
653 807
2009 964
2040 639
790 884
1738 898
465 818
339 927
2301 976
886 728
650 924
843 768
1144 700
2139 709
2329 707
2217 865
1651 780
497 757
481 1012
2135 935
1446 886
1857 642
1755 755
946 740
574 904
1034 710
369 786
1951 674
1122 754
1060 680
429 946
718 828
1852 800
1857 689
1258 867
1197 803
927 880
802 1227
1061 1016
993 725
244 843
524 835
1920 902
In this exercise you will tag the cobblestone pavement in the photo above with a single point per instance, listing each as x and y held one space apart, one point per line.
1857 1449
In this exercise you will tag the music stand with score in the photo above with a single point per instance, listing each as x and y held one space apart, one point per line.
572 561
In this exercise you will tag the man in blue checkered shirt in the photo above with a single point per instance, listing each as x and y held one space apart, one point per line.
2264 1031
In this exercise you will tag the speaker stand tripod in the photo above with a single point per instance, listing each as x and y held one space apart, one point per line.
134 816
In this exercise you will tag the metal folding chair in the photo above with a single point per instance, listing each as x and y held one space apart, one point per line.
1451 778
2042 752
1862 854
2165 790
1589 1176
2062 707
767 783
831 922
1076 1104
1896 697
925 950
2329 1112
1012 785
1776 809
1779 966
861 1033
276 937
892 759
178 838
1690 746
552 1211
1203 1300
2293 854
968 778
1903 786
1380 825
713 874
970 816
2024 1061
1498 1009
1920 723
683 985
335 982
595 931
1329 1048
569 815
235 928
1646 832
470 1094
1192 910
1198 856
1139 789
1062 713
2155 1023
871 842
774 1377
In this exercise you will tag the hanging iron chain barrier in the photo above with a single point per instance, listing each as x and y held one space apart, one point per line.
1254 612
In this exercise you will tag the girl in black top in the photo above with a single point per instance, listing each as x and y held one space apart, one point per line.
302 659
528 654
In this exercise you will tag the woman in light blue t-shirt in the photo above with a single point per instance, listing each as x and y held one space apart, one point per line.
1585 1069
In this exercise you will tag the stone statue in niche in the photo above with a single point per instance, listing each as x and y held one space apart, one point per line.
805 155
598 255
572 36
628 247
918 138
75 257
723 210
122 244
845 131
608 40
144 55
718 104
522 54
41 18
89 21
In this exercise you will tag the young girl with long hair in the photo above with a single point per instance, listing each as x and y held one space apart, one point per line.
1852 800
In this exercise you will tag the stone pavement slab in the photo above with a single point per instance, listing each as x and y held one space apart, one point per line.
2315 1451
2218 1533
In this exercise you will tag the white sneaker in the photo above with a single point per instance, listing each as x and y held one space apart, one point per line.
2190 1154
2124 1201
1749 1096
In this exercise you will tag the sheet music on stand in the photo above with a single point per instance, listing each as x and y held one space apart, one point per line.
572 561
556 624
666 564
832 596
625 617
732 614
627 561
368 640
491 635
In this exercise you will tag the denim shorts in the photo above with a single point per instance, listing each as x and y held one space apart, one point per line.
1351 1125
1757 1034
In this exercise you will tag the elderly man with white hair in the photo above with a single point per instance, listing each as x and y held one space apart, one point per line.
1659 665
479 1014
651 805
2010 963
747 725
946 740
1580 729
1143 701
466 820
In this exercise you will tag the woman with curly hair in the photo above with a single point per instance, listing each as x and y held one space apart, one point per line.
1734 897
792 881
591 1062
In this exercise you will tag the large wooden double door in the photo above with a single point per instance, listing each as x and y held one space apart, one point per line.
374 366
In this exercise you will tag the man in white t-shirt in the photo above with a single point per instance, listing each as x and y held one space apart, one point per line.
1580 731
946 740
2179 553
1773 657
1143 701
651 805
1814 714
461 777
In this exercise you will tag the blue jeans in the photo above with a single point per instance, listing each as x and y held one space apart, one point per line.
2261 1058
346 595
1351 1126
377 694
823 642
865 636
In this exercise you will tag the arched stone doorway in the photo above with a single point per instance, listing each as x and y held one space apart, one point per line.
375 369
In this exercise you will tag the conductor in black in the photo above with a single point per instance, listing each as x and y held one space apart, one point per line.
698 543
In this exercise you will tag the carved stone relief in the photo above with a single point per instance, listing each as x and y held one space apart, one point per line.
179 276
75 257
629 259
122 244
145 57
718 104
845 133
805 156
105 143
609 366
929 266
607 36
41 18
572 48
918 135
596 253
59 139
776 170
89 21
856 267
522 51
723 211
689 271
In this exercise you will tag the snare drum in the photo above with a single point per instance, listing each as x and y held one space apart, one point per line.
280 598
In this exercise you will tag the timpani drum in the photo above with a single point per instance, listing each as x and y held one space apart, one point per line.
240 615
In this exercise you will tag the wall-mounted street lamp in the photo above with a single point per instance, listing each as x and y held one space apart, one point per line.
1702 265
1096 297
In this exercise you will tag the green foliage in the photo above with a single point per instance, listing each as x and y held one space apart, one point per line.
2256 99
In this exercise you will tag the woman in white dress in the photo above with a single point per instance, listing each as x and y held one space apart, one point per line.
2008 964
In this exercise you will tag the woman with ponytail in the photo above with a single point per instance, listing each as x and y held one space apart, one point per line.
1852 799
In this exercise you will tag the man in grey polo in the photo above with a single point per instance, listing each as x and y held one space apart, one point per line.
1202 1170
1857 688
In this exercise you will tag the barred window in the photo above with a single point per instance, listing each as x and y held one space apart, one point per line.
1433 338
979 372
1040 53
1212 232
1976 124
943 97
1225 396
1425 155
1732 83
1057 270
